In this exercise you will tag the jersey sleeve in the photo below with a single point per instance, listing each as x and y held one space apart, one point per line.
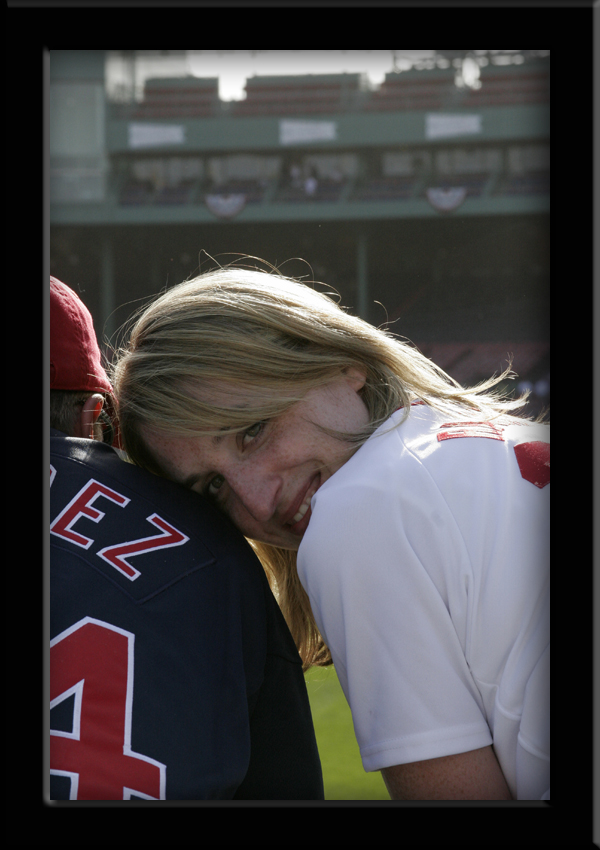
371 562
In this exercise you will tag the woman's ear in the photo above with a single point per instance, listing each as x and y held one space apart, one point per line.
356 377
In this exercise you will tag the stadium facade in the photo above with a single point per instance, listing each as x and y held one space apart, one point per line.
423 202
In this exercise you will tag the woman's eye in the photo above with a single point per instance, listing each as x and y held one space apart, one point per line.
252 432
214 485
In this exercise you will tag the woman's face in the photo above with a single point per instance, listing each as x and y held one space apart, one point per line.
264 478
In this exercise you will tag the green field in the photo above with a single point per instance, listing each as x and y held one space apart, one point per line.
343 773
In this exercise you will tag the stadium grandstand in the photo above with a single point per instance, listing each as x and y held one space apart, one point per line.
423 199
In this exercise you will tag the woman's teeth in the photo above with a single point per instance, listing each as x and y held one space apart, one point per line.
301 512
304 506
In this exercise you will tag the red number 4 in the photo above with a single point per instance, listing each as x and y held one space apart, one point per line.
93 661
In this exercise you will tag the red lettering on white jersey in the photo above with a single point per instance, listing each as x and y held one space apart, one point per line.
470 429
93 661
117 555
533 457
81 506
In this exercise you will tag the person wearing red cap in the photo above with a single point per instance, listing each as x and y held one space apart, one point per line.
78 381
173 675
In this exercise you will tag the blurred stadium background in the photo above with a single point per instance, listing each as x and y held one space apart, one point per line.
414 182
420 192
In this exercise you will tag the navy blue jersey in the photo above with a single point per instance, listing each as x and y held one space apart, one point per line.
173 675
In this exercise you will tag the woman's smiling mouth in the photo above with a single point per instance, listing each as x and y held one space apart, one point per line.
296 523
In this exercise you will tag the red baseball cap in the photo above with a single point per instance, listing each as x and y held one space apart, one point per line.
75 359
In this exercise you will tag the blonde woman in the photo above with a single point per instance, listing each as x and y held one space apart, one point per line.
402 519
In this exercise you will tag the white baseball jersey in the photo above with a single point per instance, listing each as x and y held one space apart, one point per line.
426 562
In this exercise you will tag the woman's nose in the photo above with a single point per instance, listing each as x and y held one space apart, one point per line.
257 489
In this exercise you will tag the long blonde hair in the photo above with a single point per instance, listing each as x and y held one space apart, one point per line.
272 339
